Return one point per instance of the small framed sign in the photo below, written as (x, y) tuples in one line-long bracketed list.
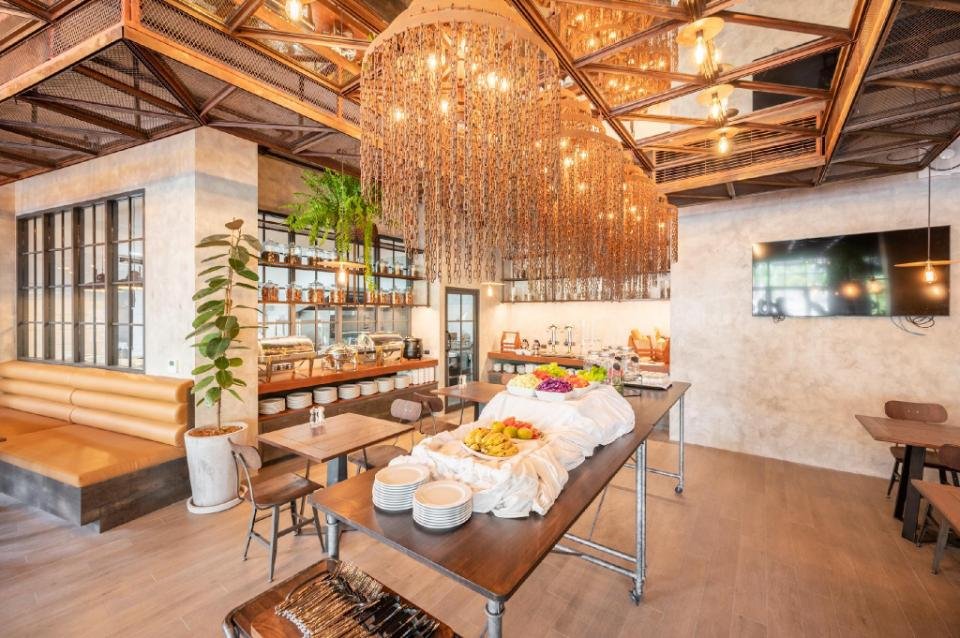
[(509, 341)]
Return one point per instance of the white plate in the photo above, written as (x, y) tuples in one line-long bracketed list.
[(522, 444), (401, 475), (441, 521), (520, 392), (442, 495)]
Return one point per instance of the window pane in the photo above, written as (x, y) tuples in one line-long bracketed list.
[(123, 304), (100, 223), (89, 300), (68, 304), (57, 230), (99, 265), (122, 336), (136, 300), (100, 307), (136, 350), (68, 343), (136, 260), (122, 231), (123, 261), (137, 214), (87, 237), (88, 267), (58, 341), (68, 228)]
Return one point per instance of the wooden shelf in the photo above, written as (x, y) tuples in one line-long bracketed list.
[(339, 305), (385, 275), (568, 361), (349, 405), (327, 377)]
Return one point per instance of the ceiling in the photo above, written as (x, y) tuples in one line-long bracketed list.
[(825, 90)]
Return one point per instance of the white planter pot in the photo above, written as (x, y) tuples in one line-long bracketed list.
[(213, 474)]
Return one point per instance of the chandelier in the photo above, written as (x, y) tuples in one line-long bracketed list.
[(459, 130), (569, 255), (585, 29)]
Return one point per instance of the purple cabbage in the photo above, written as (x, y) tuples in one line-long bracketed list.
[(555, 385)]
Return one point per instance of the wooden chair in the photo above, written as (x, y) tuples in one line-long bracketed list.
[(434, 406), (272, 495), (377, 456), (950, 458), (926, 412)]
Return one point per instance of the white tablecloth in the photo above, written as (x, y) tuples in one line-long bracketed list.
[(531, 480)]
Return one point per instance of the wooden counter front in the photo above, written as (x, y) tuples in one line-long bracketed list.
[(326, 377)]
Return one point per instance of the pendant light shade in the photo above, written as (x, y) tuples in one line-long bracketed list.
[(929, 265), (460, 111)]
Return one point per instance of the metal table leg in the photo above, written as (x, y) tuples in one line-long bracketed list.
[(678, 474), (908, 498), (336, 470), (640, 567), (494, 611), (333, 536)]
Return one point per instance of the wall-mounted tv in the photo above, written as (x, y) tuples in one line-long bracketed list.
[(851, 275)]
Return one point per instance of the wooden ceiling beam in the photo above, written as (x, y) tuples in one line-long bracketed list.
[(132, 91), (83, 115), (736, 149), (629, 41), (282, 25), (317, 128), (635, 71), (216, 99), (781, 24), (241, 14), (168, 78), (692, 150), (357, 14), (63, 7), (782, 183), (779, 59), (667, 119), (49, 139), (937, 87), (301, 38), (876, 165), (37, 11), (781, 89), (27, 160)]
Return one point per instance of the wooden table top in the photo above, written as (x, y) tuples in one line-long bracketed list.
[(490, 555), (916, 433), (476, 391), (340, 435), (945, 498)]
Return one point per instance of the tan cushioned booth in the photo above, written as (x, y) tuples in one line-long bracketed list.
[(144, 406), (79, 455), (17, 423)]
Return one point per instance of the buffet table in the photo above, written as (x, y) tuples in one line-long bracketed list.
[(461, 554)]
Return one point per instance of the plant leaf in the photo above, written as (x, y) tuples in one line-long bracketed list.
[(236, 362), (210, 305), (221, 363), (209, 243), (239, 382), (245, 285), (201, 369), (224, 378), (201, 384), (210, 270), (252, 241), (212, 257), (234, 393), (249, 274), (212, 396), (204, 317)]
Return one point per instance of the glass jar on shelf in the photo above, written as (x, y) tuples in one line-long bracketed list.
[(270, 253), (294, 255), (294, 293), (408, 297), (315, 293), (269, 292), (398, 298)]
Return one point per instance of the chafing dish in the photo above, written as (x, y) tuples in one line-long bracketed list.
[(385, 346), (283, 354), (340, 354)]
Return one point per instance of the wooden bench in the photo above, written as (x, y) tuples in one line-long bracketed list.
[(946, 500)]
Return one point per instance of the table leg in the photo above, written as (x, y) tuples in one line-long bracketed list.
[(679, 488), (306, 475), (336, 470), (640, 568), (477, 409), (908, 498), (494, 619), (333, 536)]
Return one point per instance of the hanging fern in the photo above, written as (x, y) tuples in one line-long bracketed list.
[(333, 201)]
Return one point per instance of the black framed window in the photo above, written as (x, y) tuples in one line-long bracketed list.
[(80, 279)]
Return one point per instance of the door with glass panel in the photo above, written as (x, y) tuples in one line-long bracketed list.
[(461, 341)]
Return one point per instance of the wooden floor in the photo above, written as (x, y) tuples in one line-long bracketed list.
[(754, 547)]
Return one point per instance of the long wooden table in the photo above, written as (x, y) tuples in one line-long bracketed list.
[(946, 500), (917, 437), (463, 554), (331, 443)]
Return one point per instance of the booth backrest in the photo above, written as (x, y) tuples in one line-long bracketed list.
[(145, 406)]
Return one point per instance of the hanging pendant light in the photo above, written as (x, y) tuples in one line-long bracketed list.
[(928, 265), (459, 129), (699, 35)]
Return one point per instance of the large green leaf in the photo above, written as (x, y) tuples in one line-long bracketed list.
[(236, 362), (245, 285), (206, 367), (224, 378), (221, 363), (209, 270), (249, 274), (239, 382), (212, 397), (236, 265), (235, 395), (203, 292), (209, 243), (213, 304), (204, 317), (213, 257), (200, 330), (252, 241), (202, 383)]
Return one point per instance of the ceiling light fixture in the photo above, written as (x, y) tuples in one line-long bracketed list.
[(700, 36), (717, 100), (723, 143), (929, 265), (473, 157), (293, 9)]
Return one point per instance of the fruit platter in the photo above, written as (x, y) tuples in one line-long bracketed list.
[(523, 385), (502, 439)]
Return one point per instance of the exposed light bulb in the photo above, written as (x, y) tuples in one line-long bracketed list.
[(716, 108), (492, 80), (342, 276), (432, 61), (293, 9), (929, 274), (716, 57), (700, 49), (723, 144), (489, 290), (444, 106)]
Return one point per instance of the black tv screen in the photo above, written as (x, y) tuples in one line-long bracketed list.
[(852, 275)]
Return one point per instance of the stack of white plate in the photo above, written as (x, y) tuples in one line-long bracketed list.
[(272, 406), (367, 388), (393, 486), (298, 400), (323, 396), (442, 505), (349, 391), (401, 381), (385, 384)]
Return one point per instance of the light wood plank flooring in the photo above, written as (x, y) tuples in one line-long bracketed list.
[(755, 547)]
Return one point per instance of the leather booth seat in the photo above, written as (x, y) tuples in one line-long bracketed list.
[(80, 428)]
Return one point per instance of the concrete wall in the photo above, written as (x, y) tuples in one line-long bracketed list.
[(8, 275), (790, 390), (193, 183)]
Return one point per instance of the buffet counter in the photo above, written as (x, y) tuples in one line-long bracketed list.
[(321, 376), (565, 360)]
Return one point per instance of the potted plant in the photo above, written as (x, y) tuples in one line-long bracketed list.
[(216, 328), (334, 201)]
